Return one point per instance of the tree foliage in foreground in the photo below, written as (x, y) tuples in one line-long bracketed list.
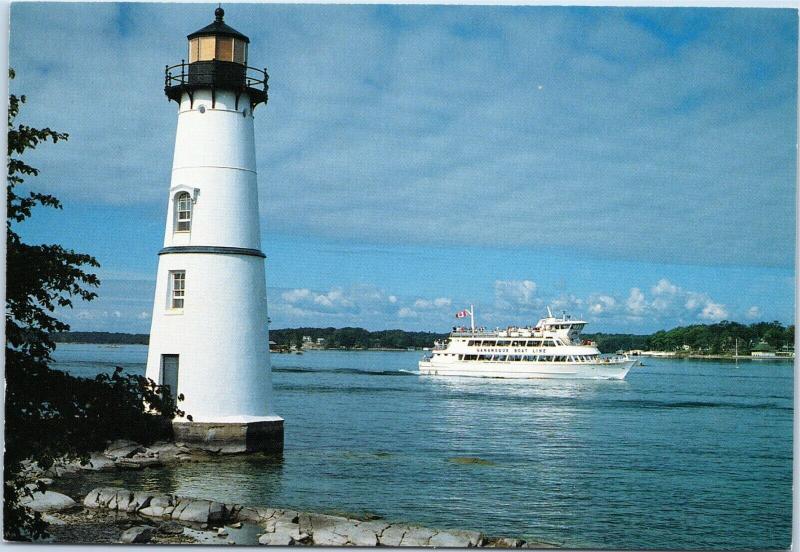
[(48, 413)]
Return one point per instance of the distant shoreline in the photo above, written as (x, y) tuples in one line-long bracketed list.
[(700, 341)]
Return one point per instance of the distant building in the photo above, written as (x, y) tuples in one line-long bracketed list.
[(763, 350)]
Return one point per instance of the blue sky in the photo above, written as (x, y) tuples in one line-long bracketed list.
[(635, 166)]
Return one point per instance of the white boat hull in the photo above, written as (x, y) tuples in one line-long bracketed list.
[(528, 370)]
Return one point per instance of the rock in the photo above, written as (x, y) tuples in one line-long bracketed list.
[(222, 532), (170, 528), (98, 462), (48, 501), (237, 525), (393, 535), (538, 545), (249, 514), (158, 506), (326, 537), (103, 497), (362, 536), (122, 449), (199, 511), (284, 534), (376, 527), (310, 522), (137, 462), (456, 539), (508, 543), (52, 520), (137, 535), (416, 536)]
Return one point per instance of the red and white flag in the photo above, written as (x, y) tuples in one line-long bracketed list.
[(462, 314)]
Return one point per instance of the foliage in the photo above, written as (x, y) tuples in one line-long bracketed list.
[(357, 338), (722, 338), (102, 338), (49, 414)]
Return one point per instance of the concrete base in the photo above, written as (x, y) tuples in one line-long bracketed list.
[(231, 437)]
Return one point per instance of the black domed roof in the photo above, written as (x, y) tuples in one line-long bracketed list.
[(218, 28)]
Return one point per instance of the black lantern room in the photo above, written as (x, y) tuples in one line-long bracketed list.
[(217, 60)]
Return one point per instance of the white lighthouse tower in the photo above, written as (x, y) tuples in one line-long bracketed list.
[(209, 337)]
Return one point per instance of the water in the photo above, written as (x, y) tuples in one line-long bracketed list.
[(683, 454)]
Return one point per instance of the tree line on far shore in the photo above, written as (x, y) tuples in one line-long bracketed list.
[(721, 338)]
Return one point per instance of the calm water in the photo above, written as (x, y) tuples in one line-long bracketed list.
[(683, 454)]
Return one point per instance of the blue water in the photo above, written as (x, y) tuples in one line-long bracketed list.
[(683, 454)]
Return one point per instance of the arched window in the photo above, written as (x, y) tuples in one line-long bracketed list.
[(183, 212)]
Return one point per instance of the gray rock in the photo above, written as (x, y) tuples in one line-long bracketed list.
[(249, 514), (98, 462), (52, 520), (170, 528), (222, 532), (138, 535), (416, 536), (284, 534), (393, 535), (199, 511), (138, 462), (538, 545), (360, 535), (508, 543), (125, 450), (309, 522), (48, 501), (376, 526), (326, 537), (456, 539)]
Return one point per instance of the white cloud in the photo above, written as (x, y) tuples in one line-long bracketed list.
[(599, 304), (516, 293), (664, 287), (713, 312), (636, 303), (405, 312), (753, 313)]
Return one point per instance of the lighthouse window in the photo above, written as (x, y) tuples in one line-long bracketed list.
[(177, 281), (194, 49), (183, 212), (225, 48), (207, 47), (240, 51)]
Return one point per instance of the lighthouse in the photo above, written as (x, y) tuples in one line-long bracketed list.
[(209, 338)]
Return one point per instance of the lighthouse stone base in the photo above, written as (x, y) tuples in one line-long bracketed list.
[(265, 435)]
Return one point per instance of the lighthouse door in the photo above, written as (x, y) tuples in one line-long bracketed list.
[(169, 374)]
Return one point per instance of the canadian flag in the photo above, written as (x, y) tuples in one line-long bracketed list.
[(462, 314)]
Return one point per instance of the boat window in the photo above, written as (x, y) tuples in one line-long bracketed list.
[(471, 343)]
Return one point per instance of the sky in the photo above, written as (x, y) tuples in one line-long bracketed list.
[(632, 166)]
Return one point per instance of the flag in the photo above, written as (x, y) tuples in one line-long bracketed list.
[(462, 314)]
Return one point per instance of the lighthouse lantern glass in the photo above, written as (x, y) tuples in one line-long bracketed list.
[(240, 51), (222, 48)]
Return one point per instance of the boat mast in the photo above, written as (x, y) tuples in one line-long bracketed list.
[(472, 317)]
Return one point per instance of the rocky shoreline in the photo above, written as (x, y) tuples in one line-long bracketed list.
[(116, 514)]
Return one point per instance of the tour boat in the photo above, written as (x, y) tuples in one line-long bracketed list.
[(551, 349)]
